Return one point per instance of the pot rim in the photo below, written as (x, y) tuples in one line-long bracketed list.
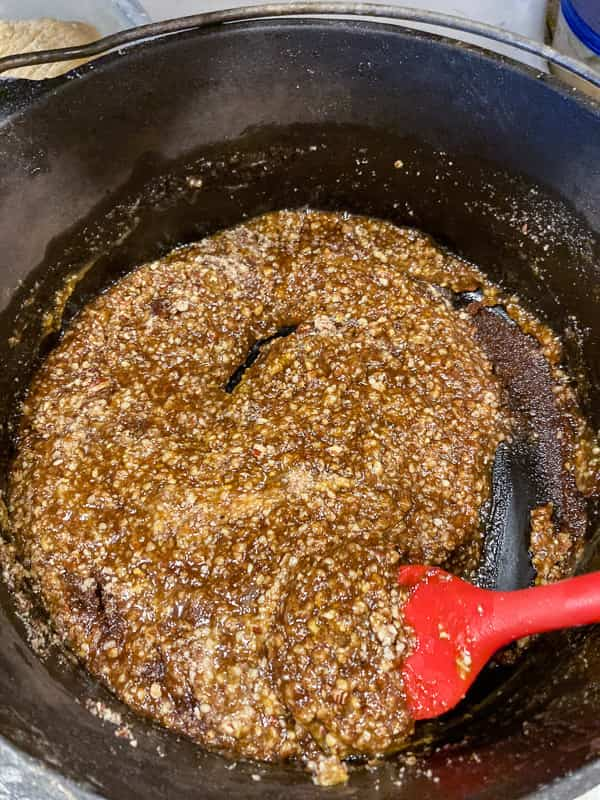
[(377, 12)]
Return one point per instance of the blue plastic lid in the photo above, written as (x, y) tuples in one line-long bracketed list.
[(583, 17)]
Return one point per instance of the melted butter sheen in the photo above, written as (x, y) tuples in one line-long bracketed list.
[(213, 556)]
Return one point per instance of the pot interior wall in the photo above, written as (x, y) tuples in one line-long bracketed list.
[(179, 137)]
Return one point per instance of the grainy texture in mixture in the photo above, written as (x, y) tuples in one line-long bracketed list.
[(336, 646), (217, 557)]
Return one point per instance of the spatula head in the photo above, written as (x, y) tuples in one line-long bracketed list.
[(448, 618)]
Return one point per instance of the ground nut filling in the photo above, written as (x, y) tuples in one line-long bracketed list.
[(214, 552), (337, 648)]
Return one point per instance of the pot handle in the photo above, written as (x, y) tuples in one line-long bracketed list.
[(291, 9)]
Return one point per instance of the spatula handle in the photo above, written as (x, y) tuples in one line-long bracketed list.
[(575, 601)]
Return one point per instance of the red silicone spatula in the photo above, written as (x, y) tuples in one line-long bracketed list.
[(458, 627)]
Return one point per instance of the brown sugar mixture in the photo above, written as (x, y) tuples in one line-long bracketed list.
[(335, 650), (219, 544)]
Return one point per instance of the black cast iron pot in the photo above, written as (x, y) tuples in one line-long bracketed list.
[(179, 135)]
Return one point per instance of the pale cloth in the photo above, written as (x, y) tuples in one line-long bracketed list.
[(43, 34)]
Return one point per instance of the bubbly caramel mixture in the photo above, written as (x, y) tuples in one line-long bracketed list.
[(222, 556)]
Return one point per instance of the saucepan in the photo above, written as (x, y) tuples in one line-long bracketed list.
[(194, 125)]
